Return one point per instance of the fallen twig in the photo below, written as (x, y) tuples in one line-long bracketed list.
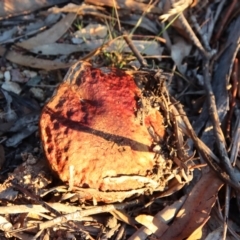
[(220, 141), (139, 57), (198, 144)]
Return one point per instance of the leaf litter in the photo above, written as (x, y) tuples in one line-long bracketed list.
[(193, 192)]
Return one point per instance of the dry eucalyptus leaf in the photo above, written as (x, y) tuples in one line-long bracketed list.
[(51, 35), (7, 193), (33, 62), (9, 8), (179, 51), (196, 208), (24, 121), (216, 234), (145, 23), (52, 18), (92, 31), (8, 34), (123, 216), (150, 48), (198, 232), (5, 225), (56, 49), (79, 9), (158, 223), (17, 138), (151, 223), (129, 5)]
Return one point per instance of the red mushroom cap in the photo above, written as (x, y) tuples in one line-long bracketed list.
[(91, 123)]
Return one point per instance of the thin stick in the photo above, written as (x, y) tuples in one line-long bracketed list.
[(193, 37), (233, 97), (220, 141), (198, 143), (139, 57), (36, 198), (224, 19)]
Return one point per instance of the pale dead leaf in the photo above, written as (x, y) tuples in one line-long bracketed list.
[(84, 9), (198, 233), (56, 49), (177, 7), (196, 208), (8, 193), (176, 23), (70, 7), (24, 121), (145, 23), (51, 19), (123, 216), (173, 187), (33, 62), (17, 138), (9, 8), (215, 235), (5, 225), (150, 48), (158, 223), (179, 51), (8, 34), (47, 22), (81, 10), (92, 31), (51, 35), (151, 223), (127, 4), (67, 196)]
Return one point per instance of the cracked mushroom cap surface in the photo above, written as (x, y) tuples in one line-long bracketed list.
[(92, 125)]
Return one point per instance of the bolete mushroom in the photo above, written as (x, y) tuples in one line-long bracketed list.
[(97, 124)]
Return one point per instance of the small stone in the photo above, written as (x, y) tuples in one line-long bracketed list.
[(29, 74), (157, 149), (36, 150), (37, 93), (26, 73), (32, 74), (31, 160), (12, 87), (7, 76)]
